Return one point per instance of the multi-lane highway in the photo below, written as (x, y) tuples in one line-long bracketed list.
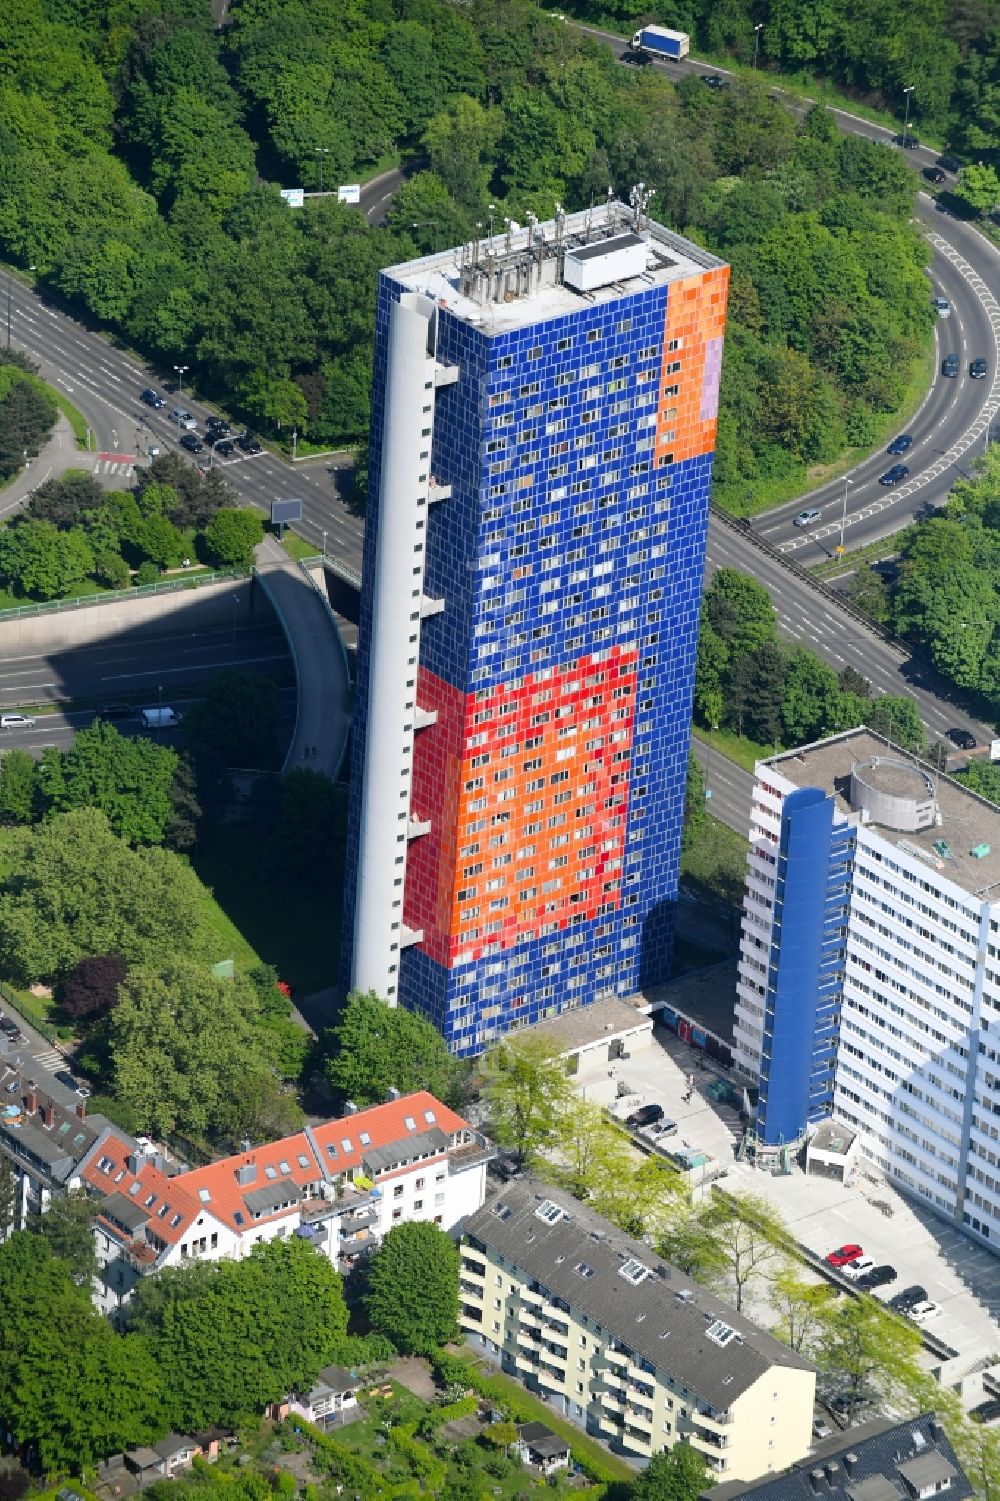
[(167, 666)]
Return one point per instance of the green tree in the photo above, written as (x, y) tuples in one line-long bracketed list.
[(978, 187), (740, 612), (676, 1474), (590, 1154), (801, 1307), (232, 535), (375, 1047), (811, 697), (695, 812), (981, 776), (412, 1291), (235, 723), (865, 1347), (187, 1049), (17, 787), (75, 889), (525, 1086), (689, 1243), (457, 141), (195, 1320), (37, 559), (68, 1229), (898, 719), (8, 1198), (309, 827), (130, 780)]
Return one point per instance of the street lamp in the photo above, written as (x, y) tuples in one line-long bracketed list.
[(321, 151), (906, 119), (324, 547), (843, 514), (756, 40), (180, 377)]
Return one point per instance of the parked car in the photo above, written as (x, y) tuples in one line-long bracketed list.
[(904, 1301), (986, 1412), (901, 444), (860, 1267), (807, 518), (964, 739), (949, 366), (943, 307), (248, 443), (662, 1129), (894, 475), (924, 1311), (879, 1276), (644, 1116), (151, 398), (16, 722), (192, 443), (978, 369), (821, 1428), (843, 1255), (934, 174)]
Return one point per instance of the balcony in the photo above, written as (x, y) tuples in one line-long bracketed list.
[(436, 491), (715, 1422), (352, 1239), (529, 1340), (530, 1318), (471, 1289), (474, 1268), (429, 606), (532, 1297), (619, 1359), (424, 718), (551, 1377), (409, 936), (417, 826), (636, 1439), (445, 375), (707, 1443)]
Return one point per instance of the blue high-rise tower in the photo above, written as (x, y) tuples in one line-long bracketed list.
[(544, 419)]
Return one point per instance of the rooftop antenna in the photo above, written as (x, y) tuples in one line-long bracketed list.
[(612, 211), (509, 224), (639, 199), (475, 253), (492, 212), (560, 221), (590, 219)]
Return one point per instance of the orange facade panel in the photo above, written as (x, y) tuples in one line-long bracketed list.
[(687, 413)]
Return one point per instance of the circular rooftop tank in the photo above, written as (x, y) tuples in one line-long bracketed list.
[(895, 794)]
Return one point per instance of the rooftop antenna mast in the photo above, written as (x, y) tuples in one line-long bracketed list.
[(639, 199), (612, 210)]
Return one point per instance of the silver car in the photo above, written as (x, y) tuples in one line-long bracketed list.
[(808, 518)]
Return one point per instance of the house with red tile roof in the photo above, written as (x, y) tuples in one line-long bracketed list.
[(342, 1185)]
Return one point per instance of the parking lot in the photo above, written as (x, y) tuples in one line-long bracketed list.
[(958, 1275)]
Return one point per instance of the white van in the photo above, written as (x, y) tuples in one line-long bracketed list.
[(158, 719)]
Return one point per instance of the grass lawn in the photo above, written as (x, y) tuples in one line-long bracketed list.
[(295, 929), (738, 748), (297, 547), (717, 861)]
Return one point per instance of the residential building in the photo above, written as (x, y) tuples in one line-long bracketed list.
[(342, 1185), (544, 419), (44, 1141), (623, 1344), (869, 985), (879, 1461)]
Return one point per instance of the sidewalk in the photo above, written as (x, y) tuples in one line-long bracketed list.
[(59, 453)]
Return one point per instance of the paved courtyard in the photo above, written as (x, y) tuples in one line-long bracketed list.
[(959, 1275)]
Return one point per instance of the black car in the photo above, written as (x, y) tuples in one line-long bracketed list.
[(908, 1298), (713, 81), (908, 142), (248, 443), (10, 1028), (964, 739), (151, 398), (901, 444), (115, 711), (224, 448), (934, 174), (218, 427), (986, 1412), (64, 1077), (636, 59), (879, 1276), (895, 475), (949, 163), (645, 1116), (949, 366), (978, 369), (192, 443)]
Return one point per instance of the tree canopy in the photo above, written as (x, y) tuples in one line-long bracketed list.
[(375, 1047), (412, 1291)]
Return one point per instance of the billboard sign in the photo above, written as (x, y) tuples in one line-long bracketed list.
[(294, 197), (349, 193), (284, 512)]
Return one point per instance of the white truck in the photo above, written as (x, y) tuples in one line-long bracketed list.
[(659, 41), (159, 719)]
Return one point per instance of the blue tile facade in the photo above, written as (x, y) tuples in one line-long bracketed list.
[(561, 540)]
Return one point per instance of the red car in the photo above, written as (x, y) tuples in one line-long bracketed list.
[(844, 1255)]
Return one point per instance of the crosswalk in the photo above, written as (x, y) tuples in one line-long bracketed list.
[(51, 1059), (114, 463)]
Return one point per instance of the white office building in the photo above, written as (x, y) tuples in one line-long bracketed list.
[(869, 977)]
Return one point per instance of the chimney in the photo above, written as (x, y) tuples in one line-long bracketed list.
[(31, 1097), (851, 1465), (393, 1093), (81, 1109), (246, 1173), (934, 1429), (48, 1114), (350, 1108), (134, 1162), (818, 1481), (832, 1469)]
